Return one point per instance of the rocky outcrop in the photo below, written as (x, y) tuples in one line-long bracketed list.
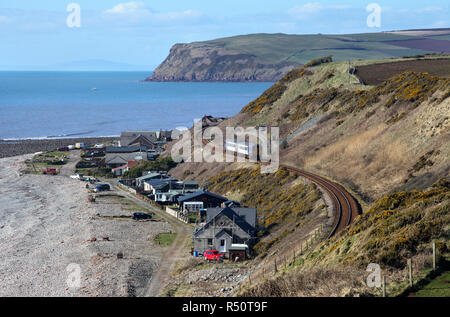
[(204, 62)]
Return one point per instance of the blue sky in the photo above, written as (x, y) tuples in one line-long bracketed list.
[(35, 34)]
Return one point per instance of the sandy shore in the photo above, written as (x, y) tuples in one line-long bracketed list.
[(46, 224), (10, 148)]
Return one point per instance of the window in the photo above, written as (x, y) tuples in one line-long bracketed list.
[(210, 241), (222, 243)]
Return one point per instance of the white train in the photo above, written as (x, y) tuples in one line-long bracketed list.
[(243, 148)]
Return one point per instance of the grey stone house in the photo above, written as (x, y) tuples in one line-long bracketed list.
[(226, 227)]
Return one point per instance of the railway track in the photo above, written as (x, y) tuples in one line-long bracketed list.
[(346, 207)]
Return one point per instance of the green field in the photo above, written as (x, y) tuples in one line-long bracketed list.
[(276, 48), (165, 239), (438, 287)]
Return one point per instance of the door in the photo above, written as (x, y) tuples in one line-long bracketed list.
[(223, 246)]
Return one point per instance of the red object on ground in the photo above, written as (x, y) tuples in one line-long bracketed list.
[(213, 255), (51, 171)]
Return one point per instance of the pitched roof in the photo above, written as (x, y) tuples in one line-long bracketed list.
[(143, 138), (238, 221), (125, 149), (199, 193)]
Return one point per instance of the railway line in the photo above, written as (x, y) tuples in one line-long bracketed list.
[(346, 207)]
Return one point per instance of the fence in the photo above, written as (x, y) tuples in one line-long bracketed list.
[(409, 277), (297, 251), (406, 284), (177, 214)]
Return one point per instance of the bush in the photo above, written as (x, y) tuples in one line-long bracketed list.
[(161, 164)]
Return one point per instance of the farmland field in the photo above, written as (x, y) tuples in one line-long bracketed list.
[(376, 73), (436, 45)]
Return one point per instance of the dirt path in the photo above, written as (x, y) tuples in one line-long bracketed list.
[(68, 168), (173, 254)]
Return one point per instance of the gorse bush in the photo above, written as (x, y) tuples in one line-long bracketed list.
[(396, 226), (408, 87)]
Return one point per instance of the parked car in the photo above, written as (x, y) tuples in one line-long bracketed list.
[(49, 171), (64, 148), (91, 179), (141, 215), (213, 255), (77, 176), (102, 188)]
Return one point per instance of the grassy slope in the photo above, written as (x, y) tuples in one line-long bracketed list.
[(275, 48), (370, 138), (397, 227)]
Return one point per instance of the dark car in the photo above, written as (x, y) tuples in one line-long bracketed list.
[(102, 188), (141, 215), (64, 148)]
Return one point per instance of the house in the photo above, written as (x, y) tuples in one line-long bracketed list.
[(130, 137), (168, 197), (113, 160), (160, 184), (224, 229), (142, 140), (150, 176), (190, 186), (199, 200), (247, 214), (119, 171)]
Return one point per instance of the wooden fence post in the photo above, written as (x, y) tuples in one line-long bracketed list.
[(434, 254), (410, 272), (276, 270), (384, 286)]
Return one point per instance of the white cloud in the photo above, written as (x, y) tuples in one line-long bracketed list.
[(312, 8), (308, 8), (430, 9), (128, 8), (138, 12)]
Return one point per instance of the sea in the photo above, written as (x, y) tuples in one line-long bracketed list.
[(62, 104)]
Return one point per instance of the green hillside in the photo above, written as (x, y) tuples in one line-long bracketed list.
[(276, 48)]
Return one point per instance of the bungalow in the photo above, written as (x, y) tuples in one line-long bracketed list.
[(147, 177), (113, 160), (199, 200), (128, 137), (142, 140), (224, 229), (170, 196), (160, 184), (119, 171)]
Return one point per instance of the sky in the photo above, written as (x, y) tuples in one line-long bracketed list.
[(35, 34)]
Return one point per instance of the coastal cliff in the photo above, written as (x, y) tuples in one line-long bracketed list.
[(268, 57), (204, 62)]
